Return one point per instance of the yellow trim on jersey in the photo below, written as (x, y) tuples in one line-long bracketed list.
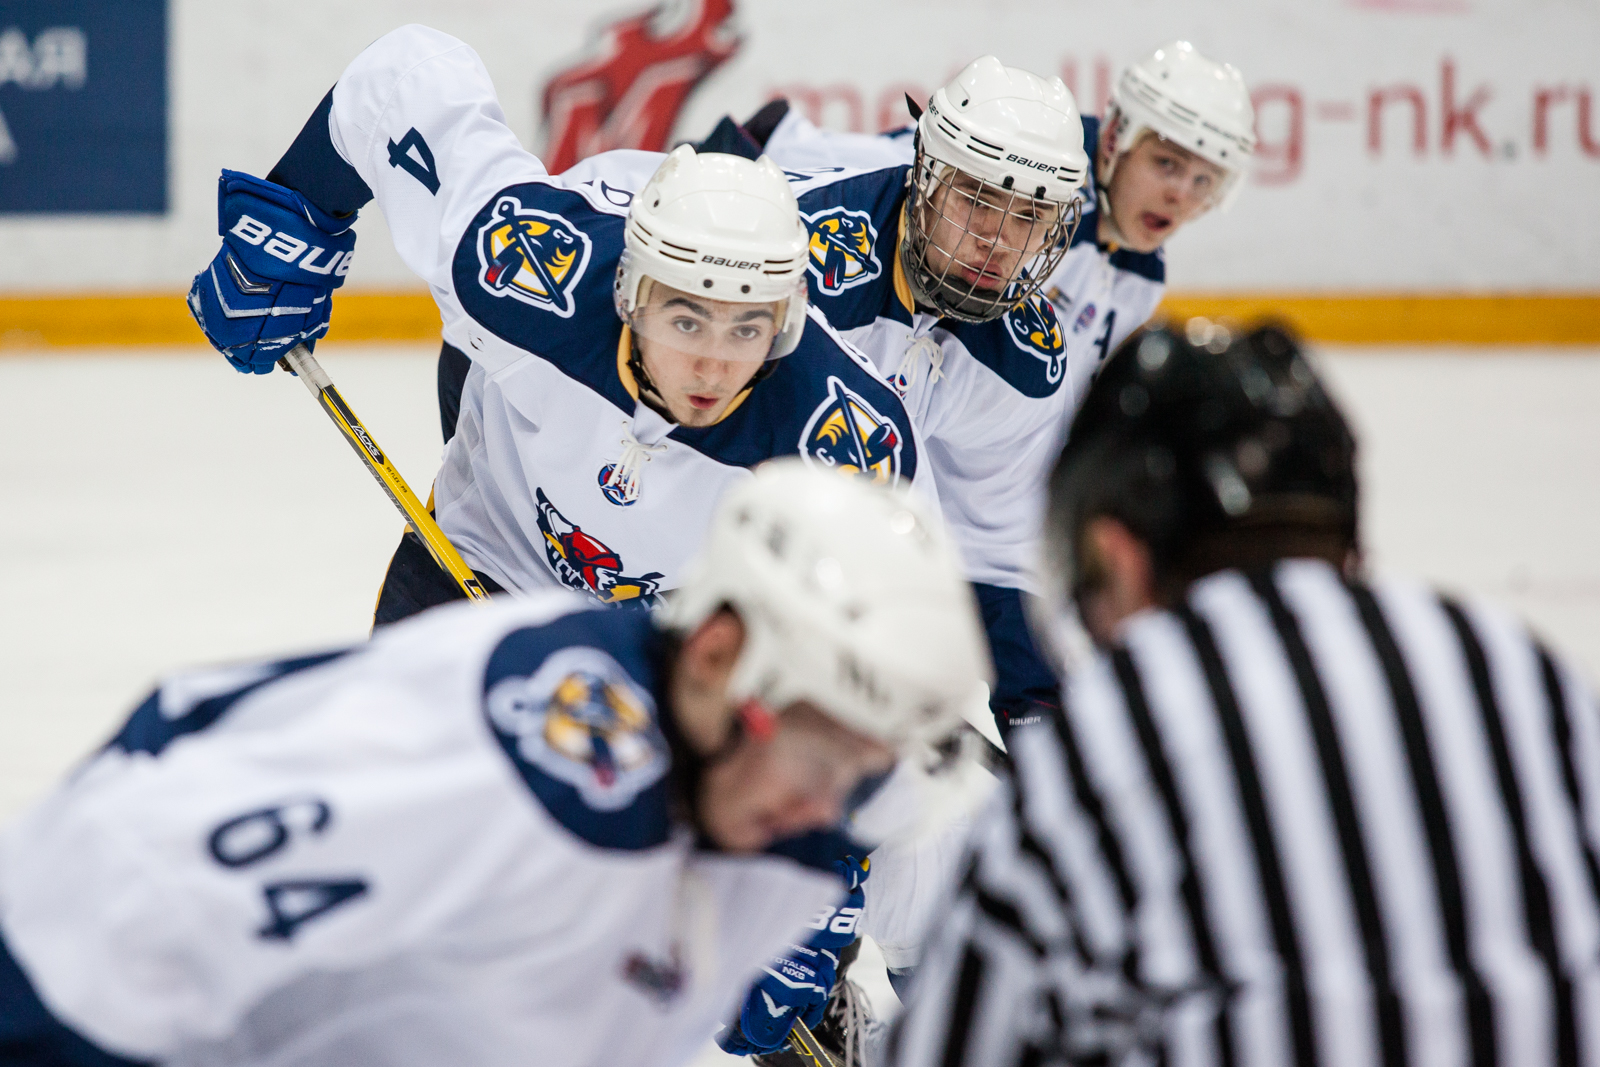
[(625, 372), (902, 288), (34, 323)]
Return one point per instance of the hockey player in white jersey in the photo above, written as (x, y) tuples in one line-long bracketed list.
[(640, 336), (933, 267), (533, 832), (1177, 141)]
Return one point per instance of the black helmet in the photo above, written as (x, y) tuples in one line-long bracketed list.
[(1191, 432)]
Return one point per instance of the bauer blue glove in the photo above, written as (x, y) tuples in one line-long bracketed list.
[(271, 285), (796, 985)]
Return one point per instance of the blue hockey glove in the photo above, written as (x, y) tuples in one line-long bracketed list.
[(271, 285), (836, 927), (795, 986)]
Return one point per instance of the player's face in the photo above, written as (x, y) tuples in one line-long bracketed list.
[(701, 353), (794, 781), (980, 235), (1156, 188)]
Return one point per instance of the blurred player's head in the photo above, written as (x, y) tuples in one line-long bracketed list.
[(824, 629), (1177, 141), (712, 281), (994, 191), (1195, 451)]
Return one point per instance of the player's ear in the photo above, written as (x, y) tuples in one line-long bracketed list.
[(710, 652)]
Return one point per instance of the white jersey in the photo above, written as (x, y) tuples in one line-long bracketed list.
[(522, 265), (993, 400), (452, 845)]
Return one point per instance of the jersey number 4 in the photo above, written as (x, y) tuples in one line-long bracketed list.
[(245, 840), (412, 155)]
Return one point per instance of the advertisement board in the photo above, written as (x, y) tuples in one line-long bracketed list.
[(83, 106)]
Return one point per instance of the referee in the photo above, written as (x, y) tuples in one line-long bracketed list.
[(1288, 817)]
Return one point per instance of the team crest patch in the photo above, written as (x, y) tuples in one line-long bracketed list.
[(1085, 318), (533, 256), (1035, 329), (846, 433), (585, 563), (581, 720), (842, 244)]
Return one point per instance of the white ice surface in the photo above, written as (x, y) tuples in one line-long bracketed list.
[(161, 510)]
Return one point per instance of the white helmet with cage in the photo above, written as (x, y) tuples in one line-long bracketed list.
[(1194, 102), (852, 599), (722, 227), (995, 190)]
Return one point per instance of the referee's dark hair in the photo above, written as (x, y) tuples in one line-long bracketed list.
[(1193, 451)]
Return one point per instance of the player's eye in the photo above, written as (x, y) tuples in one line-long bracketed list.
[(1202, 182), (686, 325), (747, 333)]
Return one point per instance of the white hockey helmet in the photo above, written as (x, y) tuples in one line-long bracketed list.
[(1194, 102), (1018, 140), (852, 599), (722, 226)]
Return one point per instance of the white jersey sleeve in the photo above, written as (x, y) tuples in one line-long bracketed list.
[(797, 143), (376, 857)]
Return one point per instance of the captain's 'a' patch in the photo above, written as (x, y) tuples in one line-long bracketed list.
[(581, 720)]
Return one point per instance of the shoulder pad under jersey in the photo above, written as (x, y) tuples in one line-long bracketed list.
[(572, 705), (854, 221), (1025, 346), (536, 268)]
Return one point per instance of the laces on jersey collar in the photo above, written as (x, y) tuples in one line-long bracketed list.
[(912, 361), (625, 476)]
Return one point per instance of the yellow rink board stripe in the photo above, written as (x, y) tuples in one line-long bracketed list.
[(1338, 318)]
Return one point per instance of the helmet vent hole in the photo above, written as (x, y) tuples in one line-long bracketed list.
[(708, 283), (744, 288)]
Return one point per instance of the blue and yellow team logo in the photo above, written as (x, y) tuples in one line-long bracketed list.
[(581, 720), (1036, 330), (847, 434), (532, 256), (842, 244)]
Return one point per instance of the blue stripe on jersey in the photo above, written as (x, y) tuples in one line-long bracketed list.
[(536, 269), (855, 229), (573, 706), (30, 1036), (155, 724), (578, 249), (855, 226)]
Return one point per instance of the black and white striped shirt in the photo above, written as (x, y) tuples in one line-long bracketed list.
[(1297, 822)]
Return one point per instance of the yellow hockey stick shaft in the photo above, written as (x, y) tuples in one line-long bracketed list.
[(806, 1043), (304, 364)]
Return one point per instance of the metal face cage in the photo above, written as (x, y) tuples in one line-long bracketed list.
[(976, 249)]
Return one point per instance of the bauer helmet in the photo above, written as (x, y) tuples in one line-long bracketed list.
[(723, 227), (1196, 103), (1193, 433), (994, 190), (852, 599)]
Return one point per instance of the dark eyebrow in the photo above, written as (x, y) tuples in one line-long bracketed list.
[(702, 310), (683, 301)]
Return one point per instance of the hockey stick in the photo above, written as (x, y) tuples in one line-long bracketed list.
[(301, 362), (806, 1043)]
